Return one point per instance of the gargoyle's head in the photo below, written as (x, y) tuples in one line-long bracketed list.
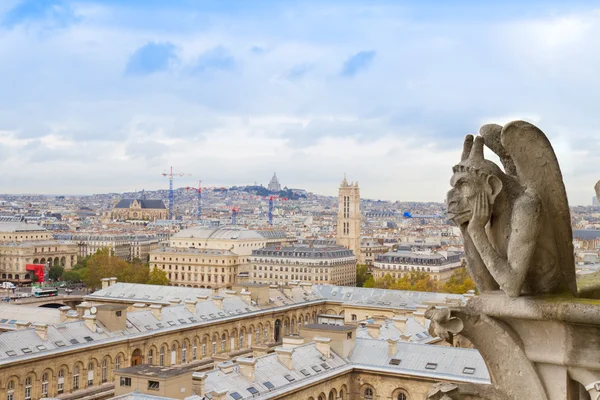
[(473, 175)]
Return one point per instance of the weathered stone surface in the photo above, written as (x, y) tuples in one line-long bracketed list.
[(515, 223)]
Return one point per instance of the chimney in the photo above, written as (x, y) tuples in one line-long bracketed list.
[(230, 293), (379, 319), (219, 394), (90, 322), (307, 286), (218, 300), (247, 367), (324, 346), (215, 291), (400, 323), (226, 367), (139, 307), (22, 325), (41, 330), (246, 297), (199, 383), (190, 305), (290, 342), (72, 316), (83, 307), (392, 347), (404, 338), (202, 297), (175, 301), (284, 356), (287, 291), (156, 310), (373, 330), (63, 313), (105, 283), (113, 280)]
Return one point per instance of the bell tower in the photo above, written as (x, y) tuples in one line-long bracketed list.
[(348, 220)]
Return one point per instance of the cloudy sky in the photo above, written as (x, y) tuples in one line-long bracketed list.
[(99, 96)]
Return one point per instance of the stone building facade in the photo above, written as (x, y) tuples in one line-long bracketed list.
[(398, 264), (123, 245), (139, 209), (197, 267), (348, 220), (276, 265), (22, 244)]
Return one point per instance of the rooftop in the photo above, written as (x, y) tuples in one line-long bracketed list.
[(153, 371), (218, 233)]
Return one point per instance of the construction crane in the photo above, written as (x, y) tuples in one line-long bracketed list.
[(170, 175), (234, 212), (199, 190), (272, 206)]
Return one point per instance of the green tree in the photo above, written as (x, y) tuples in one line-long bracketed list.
[(55, 272), (34, 278), (71, 276), (157, 277), (369, 283), (460, 282), (362, 274)]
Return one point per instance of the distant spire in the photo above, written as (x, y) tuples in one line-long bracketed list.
[(345, 181)]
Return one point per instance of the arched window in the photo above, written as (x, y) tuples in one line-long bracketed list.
[(223, 342), (161, 357), (28, 388), (61, 381), (257, 336), (173, 354), (368, 394), (241, 340), (331, 396), (11, 390), (204, 348), (118, 362), (214, 345), (195, 350), (104, 370), (90, 374), (45, 384), (266, 336), (150, 356), (402, 396), (183, 353), (76, 378)]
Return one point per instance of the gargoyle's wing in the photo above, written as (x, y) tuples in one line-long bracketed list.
[(537, 168)]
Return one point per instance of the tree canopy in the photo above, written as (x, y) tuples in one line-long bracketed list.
[(460, 282)]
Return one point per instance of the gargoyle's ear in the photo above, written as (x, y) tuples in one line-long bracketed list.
[(495, 186)]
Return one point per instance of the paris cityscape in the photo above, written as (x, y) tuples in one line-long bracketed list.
[(299, 200)]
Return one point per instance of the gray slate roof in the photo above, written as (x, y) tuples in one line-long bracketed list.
[(148, 204)]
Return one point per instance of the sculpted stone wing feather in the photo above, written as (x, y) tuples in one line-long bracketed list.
[(537, 169)]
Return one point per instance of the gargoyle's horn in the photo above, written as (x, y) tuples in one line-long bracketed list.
[(467, 147), (477, 150)]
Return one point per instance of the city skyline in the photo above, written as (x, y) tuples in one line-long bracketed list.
[(105, 95)]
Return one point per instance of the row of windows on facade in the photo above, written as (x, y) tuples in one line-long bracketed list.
[(196, 260), (367, 394), (163, 266), (307, 263), (293, 269), (399, 275), (293, 277), (408, 260), (11, 237), (175, 276), (403, 268), (238, 245)]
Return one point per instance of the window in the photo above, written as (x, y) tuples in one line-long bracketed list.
[(161, 357), (402, 396), (153, 385), (214, 347), (118, 313), (11, 390), (223, 342), (195, 350), (28, 388), (61, 381), (203, 349), (125, 381), (241, 340), (104, 370), (90, 374), (468, 370), (75, 378), (118, 362), (354, 318), (150, 356), (368, 395), (45, 385), (183, 353), (431, 366)]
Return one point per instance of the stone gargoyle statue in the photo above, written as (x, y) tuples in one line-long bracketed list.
[(597, 189), (515, 222)]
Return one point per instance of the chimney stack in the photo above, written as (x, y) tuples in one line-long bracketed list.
[(72, 316), (139, 307), (63, 313), (373, 330), (392, 347), (113, 280), (219, 394), (83, 307), (190, 305), (218, 300), (156, 310), (324, 346), (287, 291), (22, 325), (246, 297), (247, 367), (175, 301), (105, 283), (290, 342), (400, 323), (90, 322), (284, 356), (199, 383), (41, 330), (226, 367)]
